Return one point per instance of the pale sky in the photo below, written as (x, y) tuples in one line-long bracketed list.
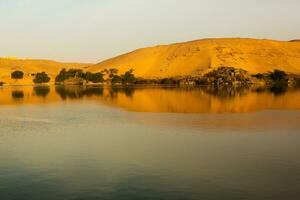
[(93, 30)]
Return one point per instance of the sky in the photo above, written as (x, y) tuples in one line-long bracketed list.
[(95, 30)]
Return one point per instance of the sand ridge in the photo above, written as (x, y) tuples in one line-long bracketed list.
[(192, 58), (197, 57), (31, 66)]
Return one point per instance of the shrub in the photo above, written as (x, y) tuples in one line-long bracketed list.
[(112, 72), (17, 74), (71, 73), (168, 81), (94, 77), (61, 76), (116, 79), (258, 76), (41, 78), (128, 77), (278, 75)]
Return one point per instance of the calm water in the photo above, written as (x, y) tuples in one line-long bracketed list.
[(85, 143)]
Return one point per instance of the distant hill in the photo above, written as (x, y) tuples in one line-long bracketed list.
[(181, 59), (30, 66), (198, 57)]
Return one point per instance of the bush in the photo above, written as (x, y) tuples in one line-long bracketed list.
[(71, 73), (169, 81), (128, 77), (61, 76), (258, 76), (94, 77), (116, 79), (41, 78), (17, 75), (278, 75), (112, 72)]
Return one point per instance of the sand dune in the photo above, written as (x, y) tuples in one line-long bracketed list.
[(198, 57), (29, 66), (190, 58)]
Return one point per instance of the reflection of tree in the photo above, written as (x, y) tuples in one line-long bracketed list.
[(97, 91), (17, 94), (226, 92), (41, 91), (77, 92), (128, 91), (279, 88)]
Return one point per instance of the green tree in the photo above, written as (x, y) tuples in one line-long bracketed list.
[(113, 76), (128, 77), (280, 81), (94, 77), (41, 78), (258, 76), (116, 79), (112, 72), (71, 73), (61, 76), (17, 75), (278, 75)]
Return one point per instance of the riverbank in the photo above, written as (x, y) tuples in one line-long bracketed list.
[(222, 77)]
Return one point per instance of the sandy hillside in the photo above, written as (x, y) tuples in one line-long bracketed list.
[(197, 57), (28, 66)]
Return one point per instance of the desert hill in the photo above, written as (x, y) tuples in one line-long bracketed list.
[(197, 57), (30, 66), (181, 59)]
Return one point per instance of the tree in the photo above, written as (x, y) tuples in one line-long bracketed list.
[(116, 79), (71, 73), (61, 76), (41, 78), (113, 76), (128, 77), (112, 72), (278, 75), (94, 77), (280, 81), (17, 75), (258, 76)]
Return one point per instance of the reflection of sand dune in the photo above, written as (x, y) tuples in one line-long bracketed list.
[(198, 101), (174, 100)]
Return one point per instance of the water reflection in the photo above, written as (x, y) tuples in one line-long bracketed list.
[(17, 94), (41, 91), (278, 88), (157, 99), (226, 92), (71, 92)]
